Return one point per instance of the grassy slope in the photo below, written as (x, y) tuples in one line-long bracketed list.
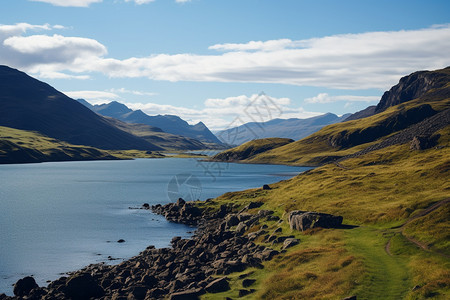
[(318, 147), (21, 146), (378, 192), (251, 149)]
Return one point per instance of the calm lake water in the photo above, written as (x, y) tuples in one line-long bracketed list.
[(59, 217)]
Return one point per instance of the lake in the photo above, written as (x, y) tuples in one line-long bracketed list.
[(59, 217)]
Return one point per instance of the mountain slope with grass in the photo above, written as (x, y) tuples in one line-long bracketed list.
[(395, 113), (388, 176), (29, 104)]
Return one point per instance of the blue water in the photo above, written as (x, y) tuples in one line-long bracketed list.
[(58, 217)]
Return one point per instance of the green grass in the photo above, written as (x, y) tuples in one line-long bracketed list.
[(379, 192)]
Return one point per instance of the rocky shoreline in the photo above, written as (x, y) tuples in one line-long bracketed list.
[(191, 267)]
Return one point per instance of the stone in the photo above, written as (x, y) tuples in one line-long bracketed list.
[(290, 242), (187, 295), (241, 228), (231, 220), (137, 292), (350, 298), (24, 286), (83, 286), (255, 204), (121, 241), (180, 202), (266, 187), (218, 285), (243, 292), (303, 220), (248, 282), (146, 206)]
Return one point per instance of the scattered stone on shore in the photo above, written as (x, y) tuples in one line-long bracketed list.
[(190, 268), (121, 241)]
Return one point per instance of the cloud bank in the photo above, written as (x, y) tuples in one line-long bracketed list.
[(69, 3), (349, 61)]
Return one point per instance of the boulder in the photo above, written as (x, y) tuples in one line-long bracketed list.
[(303, 220), (24, 286), (187, 295), (241, 228), (180, 202), (218, 285), (83, 286), (243, 292), (266, 187), (248, 282), (231, 220), (290, 242)]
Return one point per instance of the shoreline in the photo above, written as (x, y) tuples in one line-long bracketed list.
[(227, 240), (188, 269)]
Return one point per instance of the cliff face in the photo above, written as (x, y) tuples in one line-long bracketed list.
[(411, 87)]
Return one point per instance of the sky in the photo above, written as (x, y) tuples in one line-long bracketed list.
[(223, 62)]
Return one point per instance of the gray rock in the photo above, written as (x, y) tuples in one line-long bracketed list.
[(290, 242), (187, 295), (24, 286), (83, 286), (218, 285), (303, 220), (241, 228)]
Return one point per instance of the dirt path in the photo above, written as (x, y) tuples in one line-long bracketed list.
[(419, 244)]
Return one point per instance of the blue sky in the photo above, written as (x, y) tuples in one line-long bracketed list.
[(207, 60)]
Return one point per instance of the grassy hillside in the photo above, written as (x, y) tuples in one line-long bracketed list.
[(252, 148), (341, 139), (21, 146), (396, 200)]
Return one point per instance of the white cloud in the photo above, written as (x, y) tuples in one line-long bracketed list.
[(325, 98), (93, 97), (270, 45), (348, 61), (137, 93), (67, 3), (58, 75), (139, 2), (182, 1)]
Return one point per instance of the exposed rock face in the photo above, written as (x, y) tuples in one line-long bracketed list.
[(391, 124), (303, 220), (411, 87), (422, 142)]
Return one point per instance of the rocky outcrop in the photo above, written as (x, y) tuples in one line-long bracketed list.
[(412, 87), (188, 269), (303, 220)]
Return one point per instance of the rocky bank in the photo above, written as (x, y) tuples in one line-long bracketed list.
[(191, 267)]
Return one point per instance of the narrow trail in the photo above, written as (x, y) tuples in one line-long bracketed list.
[(419, 244)]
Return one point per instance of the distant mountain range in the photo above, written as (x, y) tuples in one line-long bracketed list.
[(29, 104), (282, 128), (168, 123)]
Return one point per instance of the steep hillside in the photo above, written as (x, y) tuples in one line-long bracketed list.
[(395, 244), (284, 128), (20, 146), (342, 139), (168, 123), (29, 104), (250, 149)]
